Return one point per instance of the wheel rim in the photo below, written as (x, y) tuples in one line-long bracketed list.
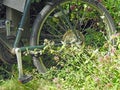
[(75, 16)]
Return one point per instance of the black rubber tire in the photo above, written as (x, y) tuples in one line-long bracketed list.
[(5, 56), (43, 16)]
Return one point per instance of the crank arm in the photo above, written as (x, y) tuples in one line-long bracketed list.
[(22, 78)]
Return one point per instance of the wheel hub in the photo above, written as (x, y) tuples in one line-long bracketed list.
[(73, 38)]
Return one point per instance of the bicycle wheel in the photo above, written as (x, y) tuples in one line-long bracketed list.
[(73, 22)]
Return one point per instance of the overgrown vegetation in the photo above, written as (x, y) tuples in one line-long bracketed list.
[(74, 68), (80, 69), (113, 7)]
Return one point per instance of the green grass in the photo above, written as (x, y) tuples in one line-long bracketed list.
[(80, 69), (113, 6), (76, 69)]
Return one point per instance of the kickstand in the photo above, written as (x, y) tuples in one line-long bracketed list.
[(22, 78)]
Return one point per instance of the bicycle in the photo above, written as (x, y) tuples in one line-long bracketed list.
[(61, 21)]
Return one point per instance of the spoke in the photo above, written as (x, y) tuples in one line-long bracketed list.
[(77, 16), (90, 27), (61, 27), (65, 26), (83, 16), (52, 31), (66, 18), (51, 36), (80, 17)]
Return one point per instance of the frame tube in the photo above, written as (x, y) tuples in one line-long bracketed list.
[(22, 22)]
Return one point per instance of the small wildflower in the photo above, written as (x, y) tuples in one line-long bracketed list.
[(56, 58), (115, 36), (73, 7), (101, 59), (62, 64), (52, 51), (89, 9), (108, 85), (106, 57), (67, 70), (54, 68), (119, 23), (55, 80), (45, 41), (102, 17), (118, 56), (106, 45), (113, 50), (97, 80), (59, 86)]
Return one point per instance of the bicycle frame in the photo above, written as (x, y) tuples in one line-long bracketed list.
[(15, 50), (20, 29)]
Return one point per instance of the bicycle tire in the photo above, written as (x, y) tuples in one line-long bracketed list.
[(95, 12), (5, 56)]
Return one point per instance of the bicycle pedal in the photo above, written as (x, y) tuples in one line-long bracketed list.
[(26, 78)]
